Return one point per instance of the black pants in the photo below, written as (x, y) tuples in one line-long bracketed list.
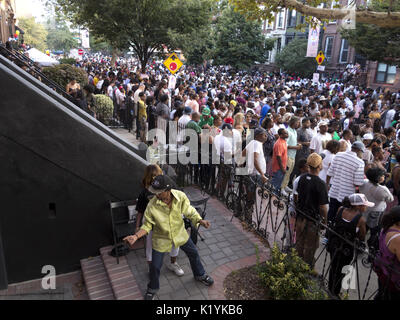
[(334, 206), (338, 261)]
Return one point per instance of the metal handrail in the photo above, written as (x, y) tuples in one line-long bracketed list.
[(32, 67)]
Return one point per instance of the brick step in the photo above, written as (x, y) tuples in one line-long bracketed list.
[(97, 283), (122, 280)]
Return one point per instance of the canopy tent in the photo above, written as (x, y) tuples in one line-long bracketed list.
[(42, 59)]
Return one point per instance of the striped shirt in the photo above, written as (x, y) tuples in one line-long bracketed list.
[(346, 172)]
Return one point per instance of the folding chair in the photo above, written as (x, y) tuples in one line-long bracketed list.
[(122, 223), (200, 206)]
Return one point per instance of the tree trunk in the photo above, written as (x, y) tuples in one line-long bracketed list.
[(114, 57)]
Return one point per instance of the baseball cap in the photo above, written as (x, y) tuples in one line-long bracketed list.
[(322, 123), (161, 183), (359, 199), (187, 110), (229, 120), (358, 145), (206, 111), (314, 160), (368, 136)]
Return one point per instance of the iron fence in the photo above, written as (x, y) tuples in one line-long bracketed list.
[(273, 217)]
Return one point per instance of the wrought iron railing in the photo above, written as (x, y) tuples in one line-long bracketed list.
[(24, 61), (273, 217)]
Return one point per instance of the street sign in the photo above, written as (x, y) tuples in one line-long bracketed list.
[(80, 52), (173, 63), (321, 68), (315, 77), (320, 57)]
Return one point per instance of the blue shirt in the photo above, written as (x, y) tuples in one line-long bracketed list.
[(265, 109)]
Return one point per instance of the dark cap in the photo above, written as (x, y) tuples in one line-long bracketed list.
[(161, 183)]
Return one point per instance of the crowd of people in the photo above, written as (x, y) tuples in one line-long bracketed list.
[(330, 146)]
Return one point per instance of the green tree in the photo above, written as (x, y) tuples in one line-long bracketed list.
[(61, 38), (196, 46), (292, 59), (373, 42), (99, 45), (144, 25), (265, 9), (35, 33), (238, 43)]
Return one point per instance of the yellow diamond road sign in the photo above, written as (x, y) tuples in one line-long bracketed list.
[(173, 63), (320, 57)]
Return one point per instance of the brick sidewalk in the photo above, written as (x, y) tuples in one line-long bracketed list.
[(227, 247)]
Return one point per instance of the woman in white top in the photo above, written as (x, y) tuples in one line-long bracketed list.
[(332, 148), (378, 194)]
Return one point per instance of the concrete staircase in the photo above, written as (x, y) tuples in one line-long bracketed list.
[(107, 280)]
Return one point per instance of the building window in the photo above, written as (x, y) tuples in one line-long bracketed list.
[(328, 48), (344, 51), (288, 39), (280, 19), (292, 18), (385, 73), (334, 5)]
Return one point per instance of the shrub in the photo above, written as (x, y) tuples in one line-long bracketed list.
[(64, 73), (70, 61), (103, 107), (288, 277)]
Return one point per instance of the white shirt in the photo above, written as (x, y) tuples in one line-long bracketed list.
[(326, 163), (255, 146), (182, 122), (319, 142), (389, 117), (276, 127)]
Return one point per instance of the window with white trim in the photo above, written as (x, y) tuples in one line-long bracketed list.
[(328, 48), (344, 51), (385, 73)]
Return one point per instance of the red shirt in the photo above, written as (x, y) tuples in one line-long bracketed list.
[(280, 149)]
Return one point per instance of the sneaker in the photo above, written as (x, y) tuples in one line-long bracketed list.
[(206, 279), (175, 268), (284, 193), (149, 296), (288, 190)]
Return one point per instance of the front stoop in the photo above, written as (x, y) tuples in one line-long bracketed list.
[(122, 280)]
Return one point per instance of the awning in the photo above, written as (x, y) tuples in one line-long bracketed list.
[(20, 30)]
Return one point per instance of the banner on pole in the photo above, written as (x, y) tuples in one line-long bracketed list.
[(313, 41)]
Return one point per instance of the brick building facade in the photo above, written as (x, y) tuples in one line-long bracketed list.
[(7, 19)]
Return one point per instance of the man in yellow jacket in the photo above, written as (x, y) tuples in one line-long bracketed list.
[(163, 215)]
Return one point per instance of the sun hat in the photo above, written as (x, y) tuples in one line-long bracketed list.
[(359, 199)]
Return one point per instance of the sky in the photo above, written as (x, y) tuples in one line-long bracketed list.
[(31, 7)]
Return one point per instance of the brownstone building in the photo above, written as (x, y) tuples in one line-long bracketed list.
[(7, 19), (339, 54)]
